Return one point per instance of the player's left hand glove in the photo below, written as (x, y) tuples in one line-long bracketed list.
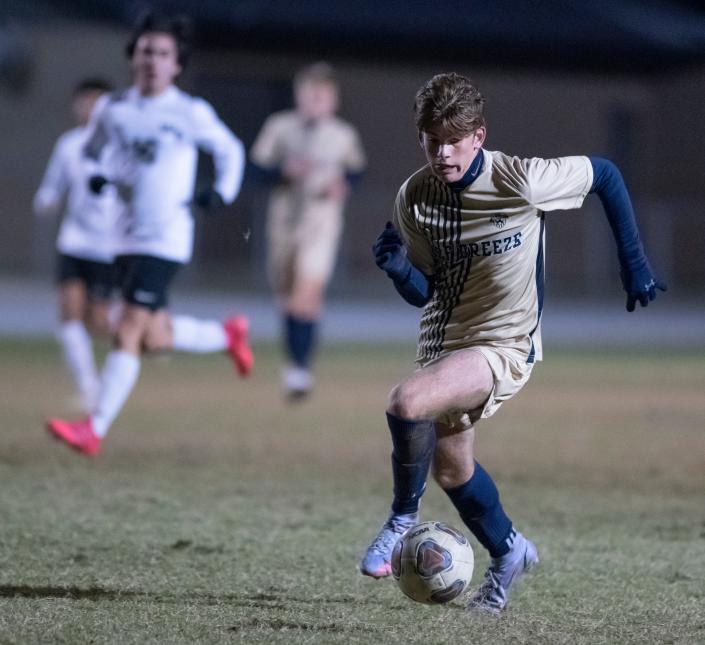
[(208, 199), (390, 254), (640, 285)]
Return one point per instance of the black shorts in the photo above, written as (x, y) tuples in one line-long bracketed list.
[(100, 278), (145, 280)]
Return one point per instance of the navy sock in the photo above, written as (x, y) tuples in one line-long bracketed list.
[(300, 340), (413, 443), (477, 501)]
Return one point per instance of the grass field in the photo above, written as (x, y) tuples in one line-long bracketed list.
[(219, 514)]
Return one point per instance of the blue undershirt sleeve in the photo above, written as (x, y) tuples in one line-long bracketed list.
[(416, 288), (638, 278), (610, 188), (390, 256)]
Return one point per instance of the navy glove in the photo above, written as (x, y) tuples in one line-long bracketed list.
[(96, 183), (640, 285), (390, 254), (208, 199)]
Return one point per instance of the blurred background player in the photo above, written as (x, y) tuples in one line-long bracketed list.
[(85, 271), (146, 139), (312, 156), (467, 245)]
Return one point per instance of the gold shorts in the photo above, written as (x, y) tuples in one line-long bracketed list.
[(303, 244), (510, 371)]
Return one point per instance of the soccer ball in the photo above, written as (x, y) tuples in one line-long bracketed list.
[(432, 563)]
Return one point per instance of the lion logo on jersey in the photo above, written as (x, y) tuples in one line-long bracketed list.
[(498, 220)]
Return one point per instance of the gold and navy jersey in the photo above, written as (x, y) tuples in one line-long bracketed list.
[(331, 146), (484, 247)]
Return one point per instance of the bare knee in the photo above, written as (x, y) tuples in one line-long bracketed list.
[(155, 341), (306, 299), (128, 337), (407, 402), (72, 300), (132, 330), (155, 344), (97, 320)]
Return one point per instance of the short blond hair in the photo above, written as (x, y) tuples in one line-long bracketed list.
[(320, 72), (452, 101)]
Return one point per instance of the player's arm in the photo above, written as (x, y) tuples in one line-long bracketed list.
[(97, 145), (355, 160), (228, 153), (391, 256), (55, 183), (402, 251), (272, 162), (638, 278), (267, 153)]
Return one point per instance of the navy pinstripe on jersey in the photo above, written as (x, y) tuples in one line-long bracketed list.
[(483, 245), (540, 281), (441, 219)]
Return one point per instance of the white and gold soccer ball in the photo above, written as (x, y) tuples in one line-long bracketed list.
[(432, 563)]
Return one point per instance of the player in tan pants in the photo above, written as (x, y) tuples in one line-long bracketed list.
[(311, 155)]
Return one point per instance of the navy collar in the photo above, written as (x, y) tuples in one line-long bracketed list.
[(471, 174)]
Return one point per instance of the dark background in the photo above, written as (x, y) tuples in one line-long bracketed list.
[(624, 80)]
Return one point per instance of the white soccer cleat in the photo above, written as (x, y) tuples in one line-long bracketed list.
[(377, 561), (297, 382), (492, 596)]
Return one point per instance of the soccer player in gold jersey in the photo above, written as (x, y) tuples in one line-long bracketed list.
[(467, 244), (311, 156)]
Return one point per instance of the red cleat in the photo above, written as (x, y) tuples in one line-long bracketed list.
[(77, 434), (236, 328)]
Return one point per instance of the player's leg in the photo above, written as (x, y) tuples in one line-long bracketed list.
[(73, 336), (145, 281), (462, 380), (143, 326), (471, 489), (458, 381), (117, 380), (476, 497), (158, 336), (314, 259), (122, 367), (297, 335), (101, 282), (98, 318), (412, 450), (302, 314), (201, 336)]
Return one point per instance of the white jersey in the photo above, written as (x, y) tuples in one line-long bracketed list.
[(483, 245), (87, 229), (149, 147)]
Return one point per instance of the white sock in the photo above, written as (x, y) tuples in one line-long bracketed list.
[(78, 355), (116, 382), (199, 336)]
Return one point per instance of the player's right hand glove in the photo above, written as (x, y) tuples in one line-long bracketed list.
[(640, 283), (390, 254), (96, 183)]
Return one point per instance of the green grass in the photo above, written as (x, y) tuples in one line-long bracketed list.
[(217, 513)]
